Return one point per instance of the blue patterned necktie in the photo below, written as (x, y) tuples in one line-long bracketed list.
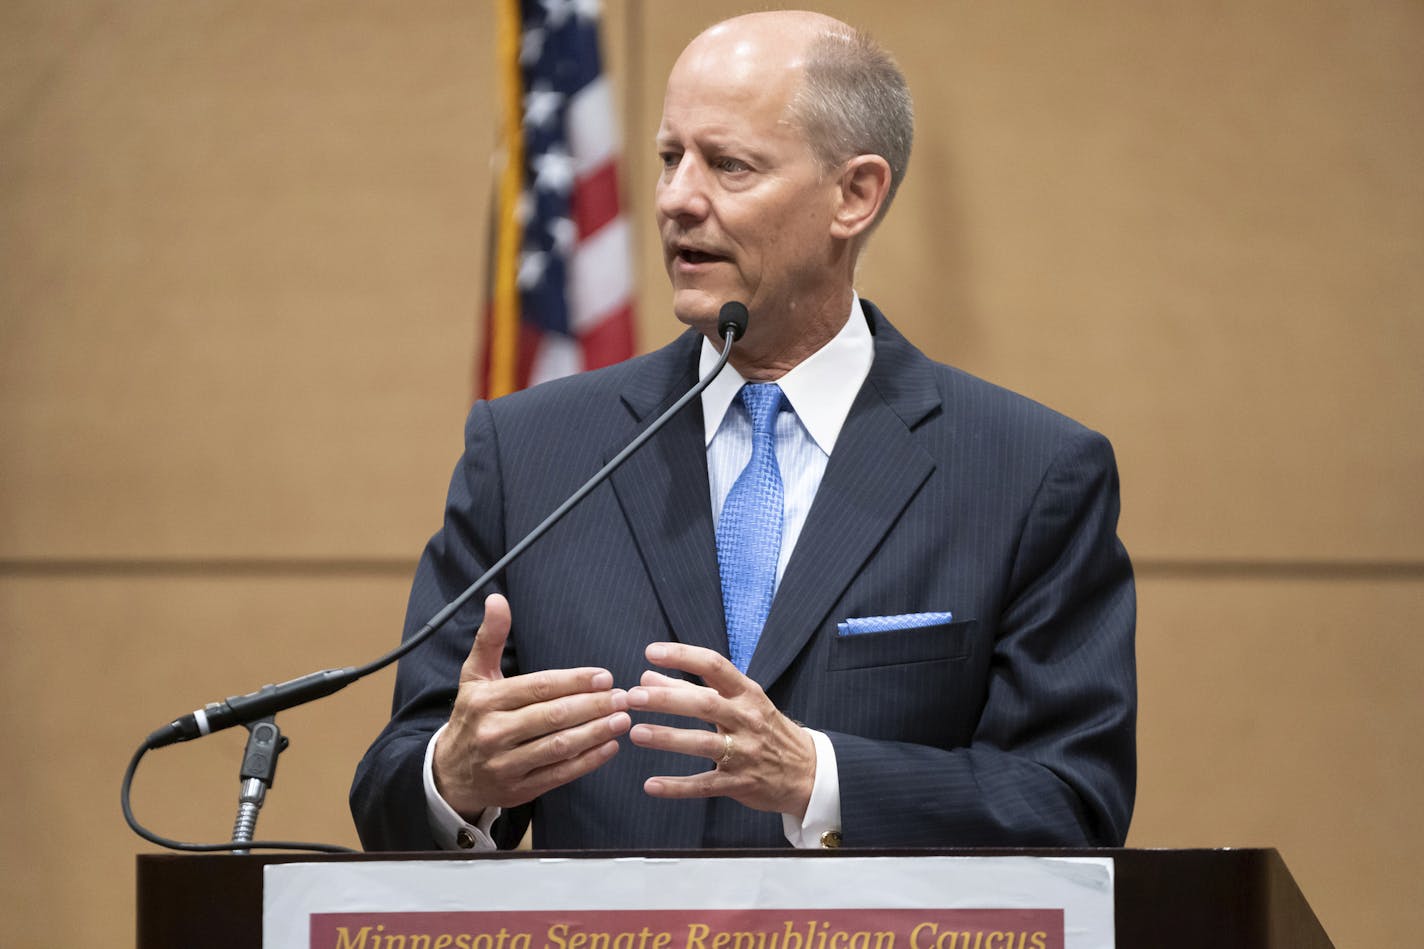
[(749, 530)]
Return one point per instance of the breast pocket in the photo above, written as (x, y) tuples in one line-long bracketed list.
[(948, 641), (920, 685)]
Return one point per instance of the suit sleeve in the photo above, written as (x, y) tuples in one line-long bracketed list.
[(387, 796), (1052, 761)]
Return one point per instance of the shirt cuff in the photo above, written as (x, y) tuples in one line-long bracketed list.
[(822, 823), (451, 831)]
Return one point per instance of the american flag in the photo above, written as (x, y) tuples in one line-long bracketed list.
[(562, 285)]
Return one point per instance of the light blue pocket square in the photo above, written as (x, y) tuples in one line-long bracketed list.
[(854, 626)]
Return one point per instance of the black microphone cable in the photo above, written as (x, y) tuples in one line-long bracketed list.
[(243, 709)]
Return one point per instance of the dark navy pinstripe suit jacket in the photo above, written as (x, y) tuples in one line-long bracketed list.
[(1012, 725)]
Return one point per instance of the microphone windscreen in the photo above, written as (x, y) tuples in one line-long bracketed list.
[(732, 320)]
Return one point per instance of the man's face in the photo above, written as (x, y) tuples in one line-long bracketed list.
[(743, 207)]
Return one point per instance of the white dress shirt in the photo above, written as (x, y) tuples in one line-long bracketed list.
[(819, 391)]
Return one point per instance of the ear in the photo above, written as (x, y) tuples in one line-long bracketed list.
[(864, 185)]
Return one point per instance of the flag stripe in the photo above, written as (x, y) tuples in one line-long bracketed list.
[(593, 138), (610, 340), (601, 283), (596, 199), (557, 356)]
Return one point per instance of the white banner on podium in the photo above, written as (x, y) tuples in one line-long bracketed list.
[(693, 903)]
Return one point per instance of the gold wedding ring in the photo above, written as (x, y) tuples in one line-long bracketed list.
[(727, 749)]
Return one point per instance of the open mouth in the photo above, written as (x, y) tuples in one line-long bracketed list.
[(689, 256)]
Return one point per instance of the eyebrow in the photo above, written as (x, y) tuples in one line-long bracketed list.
[(717, 136), (716, 143)]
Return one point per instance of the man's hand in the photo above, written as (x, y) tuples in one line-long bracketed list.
[(510, 740), (762, 758)]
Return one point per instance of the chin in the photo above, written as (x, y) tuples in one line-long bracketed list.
[(696, 309)]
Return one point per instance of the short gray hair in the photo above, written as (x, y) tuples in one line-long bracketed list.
[(854, 101)]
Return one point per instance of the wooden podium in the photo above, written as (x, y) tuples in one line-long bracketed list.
[(1165, 899)]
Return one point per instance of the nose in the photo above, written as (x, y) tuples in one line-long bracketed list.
[(682, 190)]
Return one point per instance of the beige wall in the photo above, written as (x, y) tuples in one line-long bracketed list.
[(241, 253)]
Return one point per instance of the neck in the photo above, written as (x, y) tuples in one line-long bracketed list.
[(776, 343)]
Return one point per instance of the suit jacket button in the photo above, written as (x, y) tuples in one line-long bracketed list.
[(465, 840), (831, 840)]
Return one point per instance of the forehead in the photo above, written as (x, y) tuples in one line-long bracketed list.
[(731, 88)]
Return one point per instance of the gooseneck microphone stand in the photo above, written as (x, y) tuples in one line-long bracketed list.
[(257, 710)]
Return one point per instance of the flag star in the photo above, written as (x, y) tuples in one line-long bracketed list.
[(541, 105), (531, 268), (531, 46), (565, 235), (555, 12), (554, 170)]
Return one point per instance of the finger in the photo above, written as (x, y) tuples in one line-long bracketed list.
[(684, 741), (567, 745), (714, 668), (485, 653), (556, 775), (546, 685), (699, 703), (650, 677), (706, 784), (522, 725)]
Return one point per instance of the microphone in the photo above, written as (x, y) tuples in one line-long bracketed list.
[(732, 321), (244, 709)]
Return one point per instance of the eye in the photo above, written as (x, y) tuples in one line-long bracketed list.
[(732, 165), (669, 158)]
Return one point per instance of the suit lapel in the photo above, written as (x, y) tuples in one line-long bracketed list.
[(874, 471), (663, 492)]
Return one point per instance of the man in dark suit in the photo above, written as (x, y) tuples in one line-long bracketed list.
[(929, 643)]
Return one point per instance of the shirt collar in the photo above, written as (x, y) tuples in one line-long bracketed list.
[(820, 389)]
